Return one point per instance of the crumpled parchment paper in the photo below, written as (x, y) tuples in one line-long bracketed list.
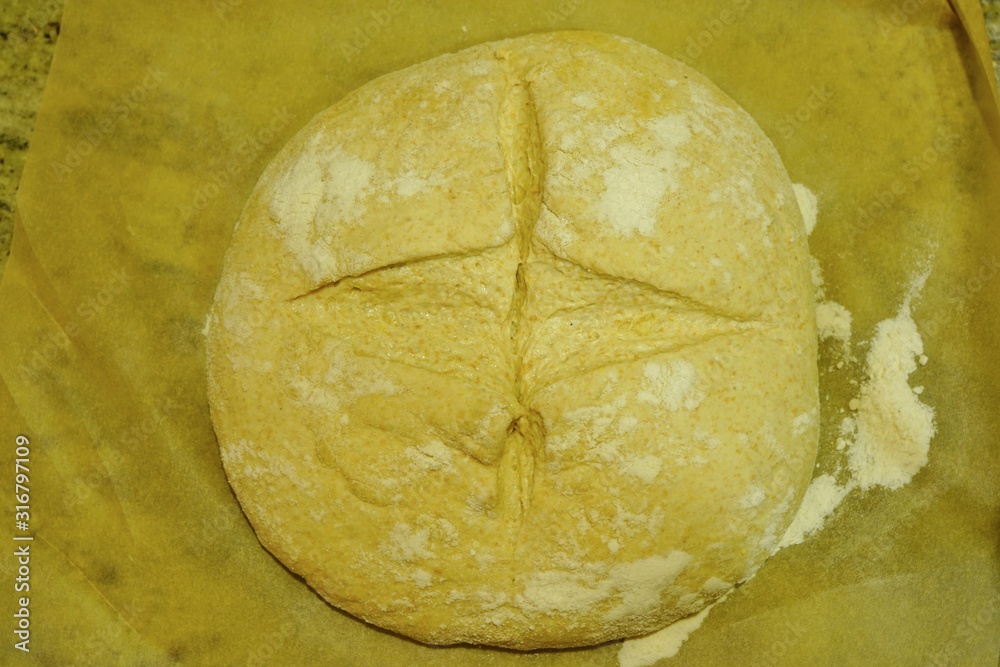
[(159, 117)]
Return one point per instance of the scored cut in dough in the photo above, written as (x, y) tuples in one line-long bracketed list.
[(517, 346)]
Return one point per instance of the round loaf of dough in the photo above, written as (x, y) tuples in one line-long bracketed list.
[(517, 346)]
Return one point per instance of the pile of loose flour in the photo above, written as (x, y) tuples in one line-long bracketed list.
[(886, 439)]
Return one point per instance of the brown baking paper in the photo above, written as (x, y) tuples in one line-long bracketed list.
[(159, 117)]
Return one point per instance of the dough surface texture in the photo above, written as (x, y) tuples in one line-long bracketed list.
[(517, 346)]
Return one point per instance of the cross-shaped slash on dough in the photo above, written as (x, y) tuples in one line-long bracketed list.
[(508, 321)]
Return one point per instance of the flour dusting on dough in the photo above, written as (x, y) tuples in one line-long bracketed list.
[(408, 544), (672, 384), (636, 586), (640, 177), (318, 192)]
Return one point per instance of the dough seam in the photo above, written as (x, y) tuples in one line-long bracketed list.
[(521, 147)]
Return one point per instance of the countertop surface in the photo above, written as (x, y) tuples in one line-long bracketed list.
[(29, 30), (28, 33)]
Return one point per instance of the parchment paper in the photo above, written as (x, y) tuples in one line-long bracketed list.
[(157, 120)]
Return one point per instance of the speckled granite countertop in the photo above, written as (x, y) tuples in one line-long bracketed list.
[(992, 10), (28, 33)]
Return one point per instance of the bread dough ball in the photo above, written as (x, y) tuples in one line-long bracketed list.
[(517, 346)]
